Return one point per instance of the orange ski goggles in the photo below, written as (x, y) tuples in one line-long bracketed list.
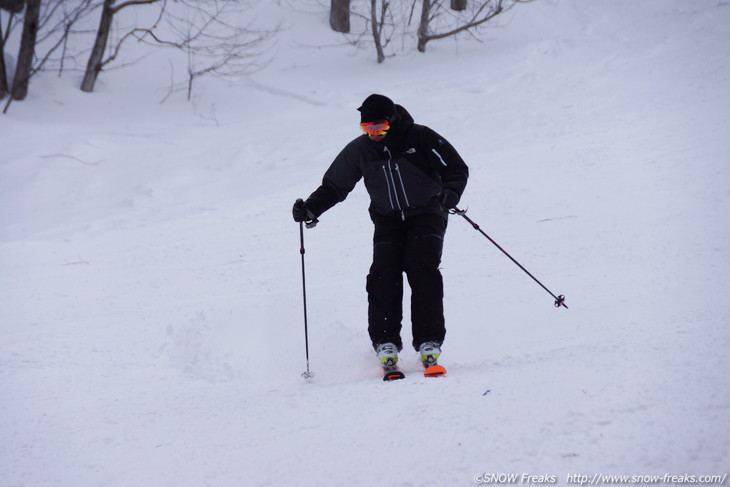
[(375, 128)]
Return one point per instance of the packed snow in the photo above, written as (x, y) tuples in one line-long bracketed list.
[(151, 329)]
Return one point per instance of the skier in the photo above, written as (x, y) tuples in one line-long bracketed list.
[(413, 176)]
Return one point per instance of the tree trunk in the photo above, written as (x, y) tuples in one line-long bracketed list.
[(423, 26), (13, 6), (376, 30), (93, 67), (27, 50), (458, 5), (340, 16), (4, 87)]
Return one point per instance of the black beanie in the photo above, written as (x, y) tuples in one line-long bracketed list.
[(376, 108)]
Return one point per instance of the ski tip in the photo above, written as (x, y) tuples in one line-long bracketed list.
[(390, 376), (435, 371)]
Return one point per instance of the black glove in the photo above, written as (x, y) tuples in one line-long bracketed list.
[(301, 213), (449, 199)]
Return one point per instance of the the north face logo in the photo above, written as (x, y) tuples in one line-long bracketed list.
[(412, 150)]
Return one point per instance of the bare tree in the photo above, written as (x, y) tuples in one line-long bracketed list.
[(12, 7), (480, 12), (340, 16), (438, 19), (45, 30), (4, 86), (27, 50), (96, 58), (207, 31), (376, 25), (213, 41)]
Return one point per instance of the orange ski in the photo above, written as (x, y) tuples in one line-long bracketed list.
[(434, 371)]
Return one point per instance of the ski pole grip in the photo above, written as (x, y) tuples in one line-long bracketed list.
[(312, 222)]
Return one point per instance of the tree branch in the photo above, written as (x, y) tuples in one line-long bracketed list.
[(473, 23), (131, 3)]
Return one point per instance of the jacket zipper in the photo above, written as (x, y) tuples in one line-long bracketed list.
[(402, 186), (391, 184)]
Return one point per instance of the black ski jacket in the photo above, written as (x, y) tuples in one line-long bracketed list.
[(404, 174)]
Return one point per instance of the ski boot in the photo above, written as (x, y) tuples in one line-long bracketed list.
[(430, 353), (388, 356)]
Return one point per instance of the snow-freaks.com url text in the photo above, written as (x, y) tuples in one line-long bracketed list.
[(599, 479)]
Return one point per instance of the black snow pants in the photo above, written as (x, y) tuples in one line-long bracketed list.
[(412, 245)]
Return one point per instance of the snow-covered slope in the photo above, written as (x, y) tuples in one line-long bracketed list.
[(151, 327)]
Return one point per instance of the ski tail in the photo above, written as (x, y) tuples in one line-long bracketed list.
[(393, 375)]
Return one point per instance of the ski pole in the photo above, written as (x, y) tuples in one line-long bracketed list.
[(559, 300), (307, 375)]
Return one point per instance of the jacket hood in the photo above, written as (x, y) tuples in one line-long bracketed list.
[(403, 121), (403, 114)]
